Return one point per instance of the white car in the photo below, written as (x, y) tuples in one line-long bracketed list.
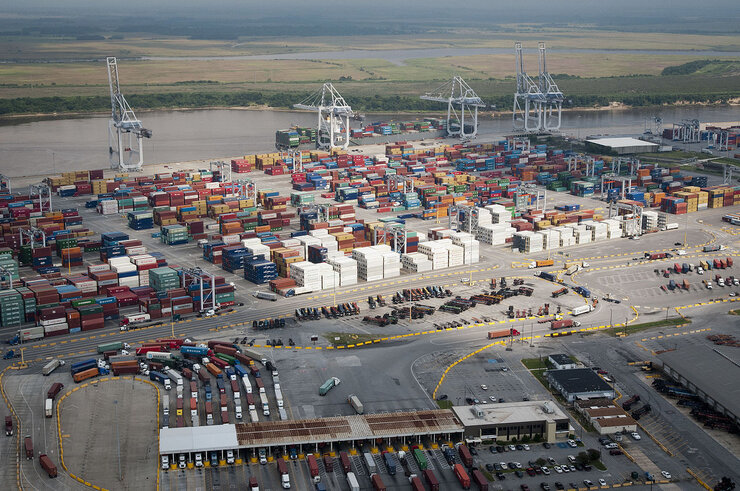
[(681, 252), (181, 464), (572, 443), (666, 474), (558, 469), (699, 270), (493, 398), (545, 470), (526, 447), (198, 460), (635, 435), (602, 482), (229, 456), (165, 462), (263, 456), (483, 387)]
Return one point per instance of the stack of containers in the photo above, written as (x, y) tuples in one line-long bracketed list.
[(259, 271), (437, 253), (599, 230), (163, 279), (107, 206), (307, 276), (143, 263), (258, 250), (71, 256), (528, 241), (416, 262), (329, 278), (54, 321), (29, 303), (581, 233), (369, 263), (110, 307), (550, 238), (456, 255), (140, 220), (11, 308), (613, 228), (127, 273), (174, 234), (233, 258), (41, 257), (316, 254), (346, 268), (471, 247), (391, 264), (91, 317), (9, 264)]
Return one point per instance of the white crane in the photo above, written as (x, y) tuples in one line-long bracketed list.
[(553, 96), (125, 131), (334, 115), (458, 94), (528, 99)]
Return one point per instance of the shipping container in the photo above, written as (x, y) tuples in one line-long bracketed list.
[(48, 465), (462, 476), (420, 458), (28, 446), (85, 374), (51, 366), (54, 390), (416, 484), (465, 455), (344, 459), (480, 480), (431, 480), (377, 483), (390, 463), (354, 485)]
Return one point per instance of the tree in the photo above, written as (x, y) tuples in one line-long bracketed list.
[(593, 454), (582, 458)]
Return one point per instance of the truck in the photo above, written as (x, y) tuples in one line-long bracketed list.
[(51, 366), (504, 333), (390, 463), (161, 378), (265, 296), (209, 413), (344, 460), (328, 463), (83, 365), (255, 355), (114, 346), (283, 471), (670, 226), (431, 480), (545, 275), (48, 407), (174, 376), (86, 374), (354, 401), (48, 465), (461, 476), (166, 405), (416, 484), (560, 292), (582, 291), (131, 320), (156, 355), (28, 446), (352, 482), (480, 480), (582, 309), (328, 385), (572, 269), (370, 463), (253, 485), (712, 248), (313, 468), (54, 390), (8, 426), (541, 263), (420, 458), (563, 324), (198, 351), (656, 255), (377, 483), (465, 455), (626, 405)]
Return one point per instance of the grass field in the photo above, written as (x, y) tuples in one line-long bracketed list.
[(593, 78), (634, 328)]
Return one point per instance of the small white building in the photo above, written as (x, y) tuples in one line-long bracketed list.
[(561, 361)]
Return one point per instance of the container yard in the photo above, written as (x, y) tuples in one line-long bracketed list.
[(200, 285)]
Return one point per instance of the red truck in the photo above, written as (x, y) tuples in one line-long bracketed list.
[(480, 480), (55, 388), (125, 367), (48, 465), (656, 255), (224, 417), (8, 426), (203, 376), (223, 400), (465, 455), (234, 386), (462, 476), (187, 373), (313, 467), (431, 479), (378, 484), (717, 264), (344, 459), (28, 445), (560, 292), (563, 324), (213, 344), (729, 262), (328, 463), (224, 350), (173, 343), (416, 483), (282, 466), (504, 333)]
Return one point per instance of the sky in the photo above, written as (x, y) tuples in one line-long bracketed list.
[(326, 13)]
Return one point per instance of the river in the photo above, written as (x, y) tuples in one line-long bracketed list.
[(52, 146)]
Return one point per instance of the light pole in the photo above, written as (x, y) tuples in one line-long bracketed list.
[(118, 439)]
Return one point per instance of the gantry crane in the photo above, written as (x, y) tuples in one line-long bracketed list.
[(125, 131), (458, 94), (528, 99), (334, 115), (5, 184), (42, 192), (553, 96)]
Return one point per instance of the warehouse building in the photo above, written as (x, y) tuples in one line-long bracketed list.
[(505, 421), (621, 146), (579, 383), (712, 373), (561, 361), (606, 417)]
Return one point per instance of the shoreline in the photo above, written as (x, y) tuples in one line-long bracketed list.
[(11, 119)]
